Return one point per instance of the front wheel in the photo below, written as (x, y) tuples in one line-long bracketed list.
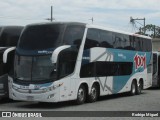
[(81, 95)]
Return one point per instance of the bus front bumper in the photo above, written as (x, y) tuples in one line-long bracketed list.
[(47, 95)]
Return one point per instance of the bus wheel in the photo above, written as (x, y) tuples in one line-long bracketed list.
[(81, 95), (133, 88), (139, 88), (92, 97)]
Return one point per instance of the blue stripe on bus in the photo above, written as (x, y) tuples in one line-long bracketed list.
[(127, 56), (120, 55)]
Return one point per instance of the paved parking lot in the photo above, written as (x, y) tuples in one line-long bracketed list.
[(149, 100)]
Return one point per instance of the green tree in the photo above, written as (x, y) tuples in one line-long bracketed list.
[(151, 30)]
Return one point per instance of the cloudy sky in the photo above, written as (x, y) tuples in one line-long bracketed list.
[(109, 13)]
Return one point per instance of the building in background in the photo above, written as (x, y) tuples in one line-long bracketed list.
[(156, 44)]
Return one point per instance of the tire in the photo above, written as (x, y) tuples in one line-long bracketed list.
[(92, 97), (133, 88), (81, 95), (139, 88)]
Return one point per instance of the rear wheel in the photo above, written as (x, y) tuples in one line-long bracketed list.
[(92, 97), (81, 95), (139, 88), (133, 88)]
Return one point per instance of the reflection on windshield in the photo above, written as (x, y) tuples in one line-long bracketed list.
[(34, 68), (41, 37)]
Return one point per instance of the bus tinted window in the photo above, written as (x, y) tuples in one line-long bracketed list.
[(41, 37), (106, 39), (67, 60), (88, 70), (92, 39), (94, 69), (118, 41), (126, 42), (73, 35), (138, 44), (9, 36), (132, 43)]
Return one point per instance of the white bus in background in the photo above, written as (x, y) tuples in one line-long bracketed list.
[(156, 70), (9, 36), (64, 61)]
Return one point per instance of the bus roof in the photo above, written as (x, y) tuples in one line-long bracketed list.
[(117, 31), (10, 28), (93, 26), (51, 23)]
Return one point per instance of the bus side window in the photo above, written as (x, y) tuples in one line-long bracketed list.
[(106, 39), (118, 41), (92, 39), (73, 35), (139, 44), (127, 44), (66, 62)]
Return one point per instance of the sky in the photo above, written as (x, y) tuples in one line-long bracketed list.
[(108, 13)]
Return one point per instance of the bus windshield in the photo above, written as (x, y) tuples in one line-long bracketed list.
[(37, 68), (40, 37)]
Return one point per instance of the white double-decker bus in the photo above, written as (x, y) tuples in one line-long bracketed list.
[(64, 61)]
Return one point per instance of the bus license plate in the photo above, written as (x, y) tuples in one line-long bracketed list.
[(30, 98)]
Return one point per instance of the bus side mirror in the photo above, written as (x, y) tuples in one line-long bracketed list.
[(6, 52), (57, 51)]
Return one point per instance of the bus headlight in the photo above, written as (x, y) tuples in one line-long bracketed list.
[(51, 88), (14, 87)]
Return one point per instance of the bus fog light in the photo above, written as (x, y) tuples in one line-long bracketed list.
[(51, 96)]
